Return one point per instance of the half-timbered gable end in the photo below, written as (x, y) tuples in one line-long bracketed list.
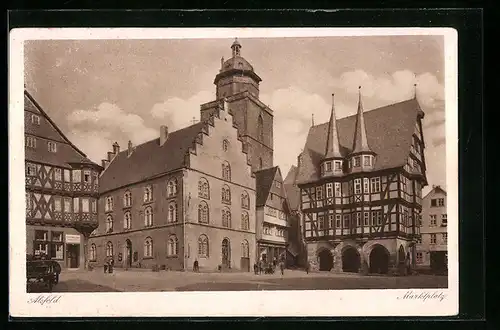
[(61, 188), (377, 193)]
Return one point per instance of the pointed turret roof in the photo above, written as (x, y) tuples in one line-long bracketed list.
[(360, 143), (332, 142)]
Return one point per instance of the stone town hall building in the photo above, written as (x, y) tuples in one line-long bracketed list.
[(360, 182), (191, 194)]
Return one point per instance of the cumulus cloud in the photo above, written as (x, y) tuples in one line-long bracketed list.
[(95, 130), (179, 113)]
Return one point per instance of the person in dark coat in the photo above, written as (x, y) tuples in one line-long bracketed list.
[(282, 267), (307, 267), (196, 266)]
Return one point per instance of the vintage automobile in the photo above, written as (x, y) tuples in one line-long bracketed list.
[(40, 269)]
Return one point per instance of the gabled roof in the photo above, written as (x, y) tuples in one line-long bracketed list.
[(434, 190), (291, 189), (150, 159), (263, 182), (389, 132), (67, 153)]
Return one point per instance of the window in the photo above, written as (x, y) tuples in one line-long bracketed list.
[(433, 220), (367, 160), (67, 205), (148, 217), (67, 176), (338, 165), (226, 218), (109, 249), (41, 235), (109, 224), (30, 142), (172, 188), (440, 201), (319, 192), (58, 174), (346, 220), (226, 194), (433, 238), (76, 205), (337, 220), (266, 230), (30, 169), (366, 185), (77, 176), (109, 204), (245, 222), (245, 200), (203, 188), (94, 206), (378, 215), (433, 202), (375, 184), (203, 212), (358, 219), (357, 186), (245, 249), (357, 161), (366, 218), (419, 258), (95, 175), (331, 222), (57, 204), (57, 246), (338, 189), (86, 176), (85, 205), (277, 184), (328, 166), (321, 222), (35, 119), (148, 194), (173, 246), (148, 247), (225, 145), (271, 195), (172, 212), (203, 251), (127, 199), (260, 128), (329, 190), (226, 171), (127, 220), (444, 220), (41, 248), (93, 252), (445, 238)]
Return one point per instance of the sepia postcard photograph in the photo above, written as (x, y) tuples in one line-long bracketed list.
[(233, 172)]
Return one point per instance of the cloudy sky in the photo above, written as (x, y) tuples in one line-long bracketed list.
[(100, 91)]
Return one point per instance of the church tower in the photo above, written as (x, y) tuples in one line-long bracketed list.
[(238, 84)]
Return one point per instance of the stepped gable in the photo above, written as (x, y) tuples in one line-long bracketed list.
[(264, 181), (389, 132)]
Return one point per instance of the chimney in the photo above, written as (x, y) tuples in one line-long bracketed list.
[(129, 150), (110, 156), (163, 134), (104, 163), (116, 148)]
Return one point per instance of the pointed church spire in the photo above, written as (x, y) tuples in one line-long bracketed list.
[(360, 143), (332, 142)]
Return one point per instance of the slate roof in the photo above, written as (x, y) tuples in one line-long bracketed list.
[(291, 189), (67, 153), (264, 181), (389, 132), (149, 159)]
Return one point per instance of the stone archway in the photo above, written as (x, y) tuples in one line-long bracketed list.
[(401, 255), (325, 260), (351, 260), (379, 260)]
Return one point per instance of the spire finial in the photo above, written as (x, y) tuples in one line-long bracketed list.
[(236, 46), (415, 86), (312, 119)]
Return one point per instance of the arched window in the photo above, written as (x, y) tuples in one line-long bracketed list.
[(203, 212), (109, 249), (226, 171), (260, 128), (245, 200), (225, 145), (245, 249), (203, 188), (172, 212), (93, 252), (148, 194), (109, 224), (226, 194), (148, 247), (172, 188), (148, 217), (226, 218), (245, 221), (109, 204), (203, 251), (127, 199), (127, 221), (173, 246)]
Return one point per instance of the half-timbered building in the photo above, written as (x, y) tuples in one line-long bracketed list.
[(61, 190), (360, 181), (186, 196)]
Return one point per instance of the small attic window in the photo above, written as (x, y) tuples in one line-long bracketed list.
[(225, 145), (357, 161), (35, 119), (338, 165), (367, 160), (328, 166)]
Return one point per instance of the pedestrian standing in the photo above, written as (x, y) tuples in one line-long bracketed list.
[(282, 267), (307, 267), (408, 264)]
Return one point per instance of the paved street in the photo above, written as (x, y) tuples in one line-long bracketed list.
[(147, 281)]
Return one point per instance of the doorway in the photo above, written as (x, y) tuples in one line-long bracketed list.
[(325, 260), (128, 253), (73, 255), (350, 260), (379, 260), (226, 253)]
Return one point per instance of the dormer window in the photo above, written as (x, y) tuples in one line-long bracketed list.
[(357, 161), (367, 160), (338, 165), (328, 166), (35, 119), (52, 146)]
